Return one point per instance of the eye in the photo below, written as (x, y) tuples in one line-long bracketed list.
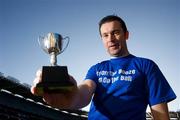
[(116, 32), (105, 35)]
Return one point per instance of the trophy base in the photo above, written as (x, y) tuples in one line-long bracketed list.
[(55, 79)]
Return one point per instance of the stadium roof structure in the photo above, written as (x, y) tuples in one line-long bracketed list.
[(16, 101)]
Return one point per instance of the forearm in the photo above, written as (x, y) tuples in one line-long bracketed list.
[(82, 97)]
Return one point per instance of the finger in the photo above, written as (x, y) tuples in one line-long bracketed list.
[(38, 77), (34, 91), (36, 81), (39, 73)]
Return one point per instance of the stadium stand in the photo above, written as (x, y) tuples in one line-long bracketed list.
[(17, 103)]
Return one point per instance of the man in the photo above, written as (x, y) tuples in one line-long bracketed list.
[(120, 88)]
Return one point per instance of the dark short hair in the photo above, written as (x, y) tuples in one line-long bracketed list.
[(110, 18)]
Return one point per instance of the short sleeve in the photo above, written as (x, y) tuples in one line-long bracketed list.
[(91, 74), (159, 90)]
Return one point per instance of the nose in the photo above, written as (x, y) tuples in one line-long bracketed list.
[(111, 37)]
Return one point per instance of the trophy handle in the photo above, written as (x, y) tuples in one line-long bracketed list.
[(67, 39)]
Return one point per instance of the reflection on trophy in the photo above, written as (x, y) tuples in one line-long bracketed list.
[(54, 78)]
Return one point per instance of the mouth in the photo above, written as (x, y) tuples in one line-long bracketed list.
[(113, 46)]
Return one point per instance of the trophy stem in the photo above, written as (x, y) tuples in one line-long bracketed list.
[(53, 59)]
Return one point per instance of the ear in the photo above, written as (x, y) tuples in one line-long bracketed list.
[(127, 35)]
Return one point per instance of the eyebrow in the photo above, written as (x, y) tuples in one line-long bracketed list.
[(115, 30)]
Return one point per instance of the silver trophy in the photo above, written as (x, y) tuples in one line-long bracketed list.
[(53, 44), (54, 78)]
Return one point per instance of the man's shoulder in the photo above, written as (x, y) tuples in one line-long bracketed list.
[(142, 59), (143, 63)]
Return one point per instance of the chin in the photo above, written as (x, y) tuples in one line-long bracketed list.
[(114, 54)]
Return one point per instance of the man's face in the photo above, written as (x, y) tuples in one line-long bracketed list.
[(114, 38)]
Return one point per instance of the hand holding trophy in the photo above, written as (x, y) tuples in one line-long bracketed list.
[(54, 78)]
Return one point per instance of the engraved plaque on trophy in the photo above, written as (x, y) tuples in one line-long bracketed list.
[(55, 78)]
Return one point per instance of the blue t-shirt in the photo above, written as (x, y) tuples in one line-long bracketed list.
[(125, 86)]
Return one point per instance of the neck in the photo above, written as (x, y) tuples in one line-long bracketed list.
[(120, 55)]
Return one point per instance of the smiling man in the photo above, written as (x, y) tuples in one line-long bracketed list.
[(120, 88)]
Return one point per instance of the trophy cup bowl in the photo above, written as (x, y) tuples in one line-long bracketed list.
[(54, 78)]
